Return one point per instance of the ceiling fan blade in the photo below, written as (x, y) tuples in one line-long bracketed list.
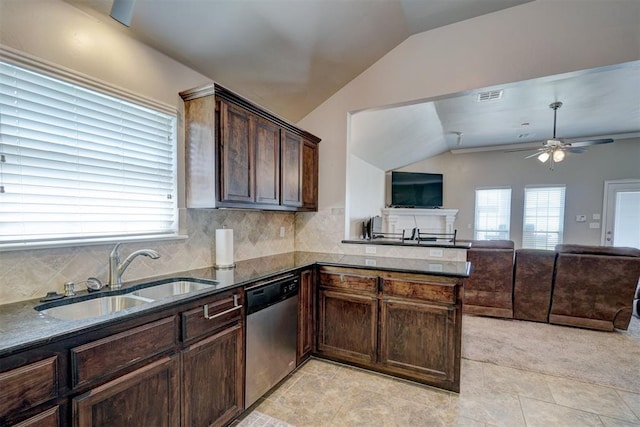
[(534, 154), (592, 142), (515, 150), (576, 150)]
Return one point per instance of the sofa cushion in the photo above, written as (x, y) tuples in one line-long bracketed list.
[(489, 289), (598, 250)]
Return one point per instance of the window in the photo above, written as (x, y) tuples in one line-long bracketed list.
[(79, 165), (493, 214), (543, 217)]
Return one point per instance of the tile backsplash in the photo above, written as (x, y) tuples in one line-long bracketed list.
[(27, 274)]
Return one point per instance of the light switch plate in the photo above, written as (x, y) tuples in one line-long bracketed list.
[(581, 218), (596, 216), (594, 225)]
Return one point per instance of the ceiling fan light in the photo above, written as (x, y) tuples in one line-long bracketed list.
[(543, 157), (558, 156)]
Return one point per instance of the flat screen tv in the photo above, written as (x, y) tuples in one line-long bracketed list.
[(416, 190)]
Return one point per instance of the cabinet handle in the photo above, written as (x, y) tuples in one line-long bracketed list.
[(235, 307)]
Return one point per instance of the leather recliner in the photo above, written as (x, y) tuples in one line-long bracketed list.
[(533, 284), (489, 289), (594, 286)]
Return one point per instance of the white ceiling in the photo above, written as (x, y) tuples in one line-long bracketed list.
[(286, 55), (602, 102)]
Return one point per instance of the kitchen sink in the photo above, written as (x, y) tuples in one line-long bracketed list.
[(170, 289), (94, 307), (108, 304)]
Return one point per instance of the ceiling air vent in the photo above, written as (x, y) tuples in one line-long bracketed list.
[(491, 95)]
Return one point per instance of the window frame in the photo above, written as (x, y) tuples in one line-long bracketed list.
[(527, 241), (35, 65), (477, 229)]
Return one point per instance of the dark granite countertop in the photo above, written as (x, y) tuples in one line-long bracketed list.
[(22, 327)]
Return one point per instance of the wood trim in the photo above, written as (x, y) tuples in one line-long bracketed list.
[(48, 418)]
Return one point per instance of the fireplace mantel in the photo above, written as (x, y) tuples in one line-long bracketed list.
[(395, 220)]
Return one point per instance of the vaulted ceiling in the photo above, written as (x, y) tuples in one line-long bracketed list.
[(286, 55)]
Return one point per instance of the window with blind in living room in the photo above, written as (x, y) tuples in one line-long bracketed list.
[(80, 165), (492, 213), (543, 222)]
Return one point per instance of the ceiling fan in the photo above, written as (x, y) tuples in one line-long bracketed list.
[(555, 149)]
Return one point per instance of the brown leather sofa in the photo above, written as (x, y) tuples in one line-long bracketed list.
[(594, 286), (576, 285), (489, 289)]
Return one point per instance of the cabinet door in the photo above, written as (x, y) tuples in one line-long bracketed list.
[(306, 315), (419, 339), (347, 327), (213, 379), (291, 170), (267, 146), (236, 148), (149, 396), (48, 418), (310, 175)]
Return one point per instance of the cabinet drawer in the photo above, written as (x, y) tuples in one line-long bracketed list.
[(349, 281), (111, 354), (438, 292), (28, 386), (212, 314)]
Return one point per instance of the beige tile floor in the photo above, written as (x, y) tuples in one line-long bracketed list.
[(323, 393)]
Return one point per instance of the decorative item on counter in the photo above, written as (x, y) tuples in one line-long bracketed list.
[(224, 248)]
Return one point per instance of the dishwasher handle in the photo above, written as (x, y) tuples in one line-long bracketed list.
[(222, 313)]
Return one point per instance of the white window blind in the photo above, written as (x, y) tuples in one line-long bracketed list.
[(493, 214), (543, 217), (78, 164)]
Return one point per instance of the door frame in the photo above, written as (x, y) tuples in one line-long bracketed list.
[(609, 187)]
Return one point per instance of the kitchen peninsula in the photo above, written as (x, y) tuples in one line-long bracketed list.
[(397, 316)]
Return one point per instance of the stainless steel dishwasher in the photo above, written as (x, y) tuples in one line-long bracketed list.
[(272, 318)]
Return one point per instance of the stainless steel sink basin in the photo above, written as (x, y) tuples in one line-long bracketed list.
[(94, 307), (170, 289)]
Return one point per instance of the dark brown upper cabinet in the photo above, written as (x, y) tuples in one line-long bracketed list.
[(239, 155)]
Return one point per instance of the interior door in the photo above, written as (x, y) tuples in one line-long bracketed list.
[(621, 213)]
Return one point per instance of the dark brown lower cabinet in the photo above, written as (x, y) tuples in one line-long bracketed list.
[(408, 325), (213, 378), (347, 326), (416, 339), (149, 396)]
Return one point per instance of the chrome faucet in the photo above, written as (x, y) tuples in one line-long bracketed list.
[(116, 269)]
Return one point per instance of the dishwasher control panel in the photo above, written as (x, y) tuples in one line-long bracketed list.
[(270, 293)]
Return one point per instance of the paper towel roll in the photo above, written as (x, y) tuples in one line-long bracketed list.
[(224, 247), (225, 276)]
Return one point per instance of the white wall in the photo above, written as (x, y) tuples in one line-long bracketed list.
[(366, 197), (582, 174), (536, 39)]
